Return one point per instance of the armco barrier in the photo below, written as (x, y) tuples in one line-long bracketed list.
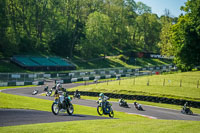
[(143, 98), (22, 83), (11, 78)]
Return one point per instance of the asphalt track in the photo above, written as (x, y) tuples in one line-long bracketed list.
[(12, 117), (149, 111)]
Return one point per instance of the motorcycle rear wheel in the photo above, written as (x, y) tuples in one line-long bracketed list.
[(99, 110), (55, 108), (70, 109)]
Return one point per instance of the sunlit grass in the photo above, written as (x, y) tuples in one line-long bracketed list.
[(179, 86), (11, 87)]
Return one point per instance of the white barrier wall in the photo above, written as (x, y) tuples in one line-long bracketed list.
[(35, 83), (129, 70), (121, 71), (74, 79), (82, 74), (118, 75), (92, 73), (85, 78), (97, 77), (32, 75), (15, 75), (157, 68), (60, 81), (151, 68), (108, 76), (112, 72), (19, 83), (3, 84), (71, 74), (164, 67), (144, 69), (47, 75), (102, 72), (136, 70), (137, 74)]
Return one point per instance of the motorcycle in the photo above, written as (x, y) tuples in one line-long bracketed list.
[(138, 106), (35, 92), (49, 93), (77, 95), (105, 108), (62, 103), (187, 111), (46, 88), (123, 103)]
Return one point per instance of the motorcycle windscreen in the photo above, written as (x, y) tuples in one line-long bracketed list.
[(69, 98), (61, 98)]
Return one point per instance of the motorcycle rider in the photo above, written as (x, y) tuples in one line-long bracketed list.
[(64, 91), (58, 88), (121, 100), (46, 88), (76, 93), (186, 108), (104, 99), (137, 105)]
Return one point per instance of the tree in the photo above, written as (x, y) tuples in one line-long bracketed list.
[(148, 31), (165, 44), (143, 8), (185, 37), (98, 34)]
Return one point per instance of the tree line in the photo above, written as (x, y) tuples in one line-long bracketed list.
[(91, 28)]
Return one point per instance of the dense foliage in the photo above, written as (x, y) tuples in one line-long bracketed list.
[(90, 28), (183, 38), (87, 28)]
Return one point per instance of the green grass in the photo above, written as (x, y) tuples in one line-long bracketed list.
[(116, 61), (11, 87), (138, 86), (19, 102), (7, 66), (128, 123), (110, 62)]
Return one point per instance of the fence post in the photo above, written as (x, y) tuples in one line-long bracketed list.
[(180, 83), (164, 82), (148, 82)]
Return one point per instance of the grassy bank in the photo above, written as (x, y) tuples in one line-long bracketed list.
[(109, 62), (118, 61), (177, 85)]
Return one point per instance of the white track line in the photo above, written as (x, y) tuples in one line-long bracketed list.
[(150, 117)]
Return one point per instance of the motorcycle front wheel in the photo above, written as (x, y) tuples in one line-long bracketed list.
[(99, 110), (190, 112), (55, 108), (70, 109), (111, 114)]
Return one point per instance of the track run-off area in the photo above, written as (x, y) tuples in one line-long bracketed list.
[(10, 117)]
